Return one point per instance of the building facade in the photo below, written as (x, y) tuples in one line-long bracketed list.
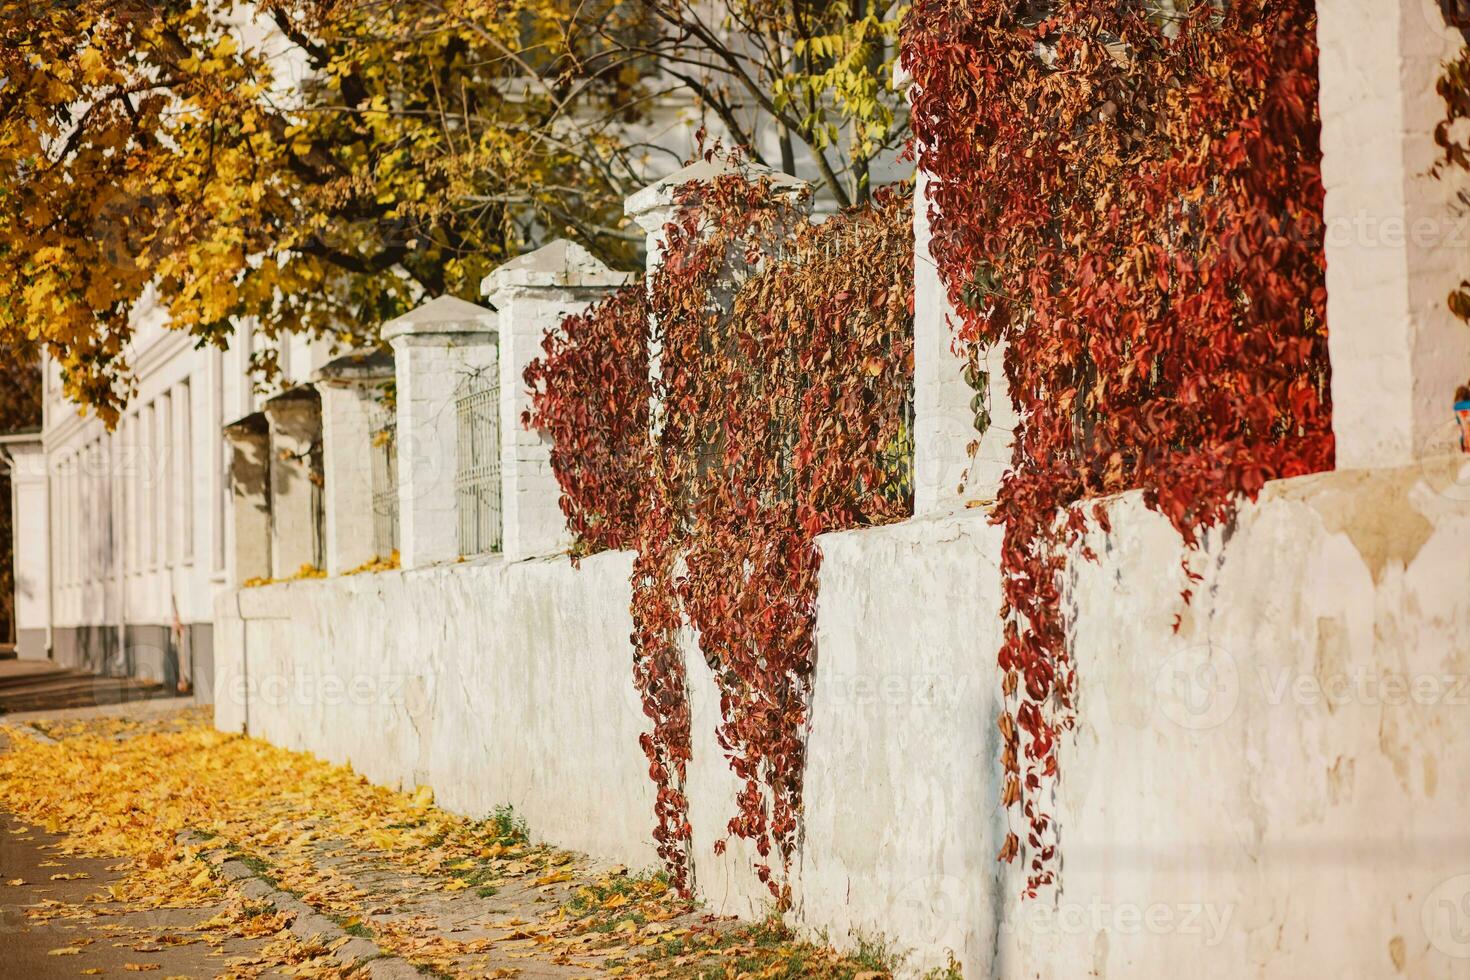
[(124, 535)]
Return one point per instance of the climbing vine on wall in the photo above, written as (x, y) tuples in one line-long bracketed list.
[(589, 393), (1450, 133), (784, 382), (1127, 195)]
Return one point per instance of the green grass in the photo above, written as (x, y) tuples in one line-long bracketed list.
[(874, 953), (951, 972), (589, 899), (505, 826), (358, 928)]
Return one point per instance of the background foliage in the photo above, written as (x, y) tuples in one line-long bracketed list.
[(321, 165), (1128, 196)]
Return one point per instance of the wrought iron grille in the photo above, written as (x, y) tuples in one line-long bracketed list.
[(385, 485), (477, 475)]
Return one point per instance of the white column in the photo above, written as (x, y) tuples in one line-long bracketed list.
[(1396, 245), (532, 295), (953, 461), (435, 349), (295, 431), (351, 390), (31, 548)]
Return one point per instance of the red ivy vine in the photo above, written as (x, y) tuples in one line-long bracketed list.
[(589, 393), (1131, 201), (1454, 88), (784, 386)]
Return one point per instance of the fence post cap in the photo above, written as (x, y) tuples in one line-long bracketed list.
[(562, 263), (356, 367), (294, 410), (444, 315), (650, 206), (247, 428)]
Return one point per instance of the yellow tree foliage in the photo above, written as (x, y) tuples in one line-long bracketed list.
[(321, 165), (315, 167)]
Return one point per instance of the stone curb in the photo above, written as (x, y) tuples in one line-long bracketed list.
[(357, 954), (32, 732)]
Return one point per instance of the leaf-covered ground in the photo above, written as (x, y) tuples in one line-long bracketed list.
[(451, 896)]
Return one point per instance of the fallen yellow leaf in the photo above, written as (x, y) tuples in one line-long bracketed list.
[(63, 951)]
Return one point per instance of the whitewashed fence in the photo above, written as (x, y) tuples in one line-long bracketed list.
[(1275, 789)]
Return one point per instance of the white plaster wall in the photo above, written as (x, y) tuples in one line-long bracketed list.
[(493, 683), (1277, 790)]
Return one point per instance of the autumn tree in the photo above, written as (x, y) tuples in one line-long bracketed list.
[(320, 165)]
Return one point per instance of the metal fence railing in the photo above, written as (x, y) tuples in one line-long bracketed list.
[(385, 485), (477, 474)]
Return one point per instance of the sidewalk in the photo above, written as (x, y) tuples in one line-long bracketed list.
[(189, 852), (40, 685)]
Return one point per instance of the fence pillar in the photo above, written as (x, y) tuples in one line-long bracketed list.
[(533, 294), (1395, 243), (31, 547), (295, 419), (351, 389), (653, 207), (250, 483), (435, 348), (953, 461)]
